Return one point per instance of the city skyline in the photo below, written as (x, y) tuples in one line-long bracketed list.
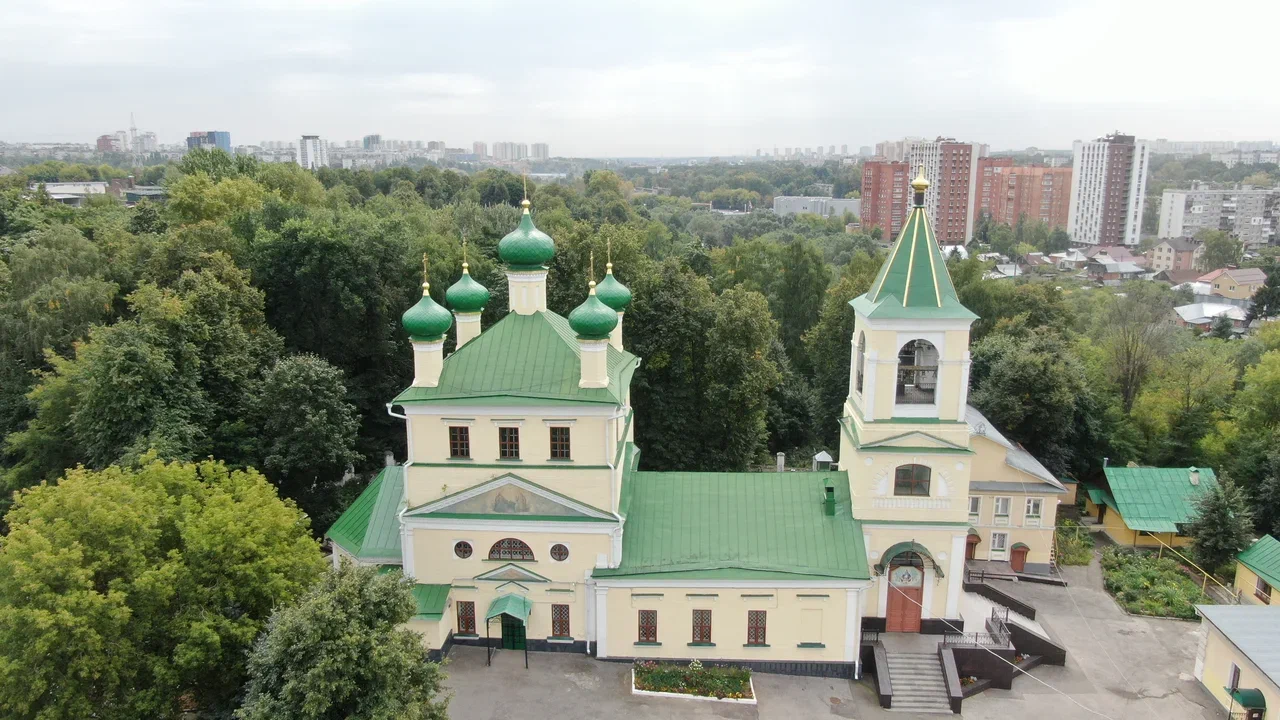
[(693, 79)]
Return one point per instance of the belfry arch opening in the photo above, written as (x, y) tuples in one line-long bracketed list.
[(917, 373)]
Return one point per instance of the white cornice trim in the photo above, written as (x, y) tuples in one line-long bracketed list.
[(502, 481), (511, 526), (549, 411), (623, 582)]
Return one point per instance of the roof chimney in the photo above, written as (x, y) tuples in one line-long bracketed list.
[(829, 501), (1195, 476)]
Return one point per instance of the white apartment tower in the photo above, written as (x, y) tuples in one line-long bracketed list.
[(313, 152), (540, 151), (1108, 184)]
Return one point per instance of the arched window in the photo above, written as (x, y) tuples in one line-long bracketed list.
[(917, 373), (911, 480), (510, 549), (859, 363)]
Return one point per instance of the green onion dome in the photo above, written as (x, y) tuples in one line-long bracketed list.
[(593, 320), (426, 320), (613, 293), (467, 295), (526, 247)]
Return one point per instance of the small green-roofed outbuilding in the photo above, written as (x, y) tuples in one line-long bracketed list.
[(748, 526), (1263, 558), (1158, 500)]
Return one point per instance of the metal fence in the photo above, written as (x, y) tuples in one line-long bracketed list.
[(998, 635)]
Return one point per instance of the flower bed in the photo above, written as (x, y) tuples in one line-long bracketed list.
[(1145, 585), (1075, 544), (732, 684)]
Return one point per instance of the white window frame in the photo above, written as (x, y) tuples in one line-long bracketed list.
[(975, 512), (1002, 518), (1033, 519), (999, 553)]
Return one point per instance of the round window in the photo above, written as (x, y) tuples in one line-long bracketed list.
[(559, 552), (462, 549)]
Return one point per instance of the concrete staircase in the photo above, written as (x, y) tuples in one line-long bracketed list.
[(917, 683)]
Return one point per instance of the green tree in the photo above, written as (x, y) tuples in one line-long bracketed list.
[(1222, 328), (1220, 249), (1266, 300), (740, 378), (137, 592), (1221, 526), (307, 430), (341, 653), (197, 197), (798, 295), (1137, 332)]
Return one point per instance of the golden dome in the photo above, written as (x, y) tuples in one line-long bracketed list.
[(920, 184)]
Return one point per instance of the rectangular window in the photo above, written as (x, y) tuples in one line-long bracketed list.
[(702, 626), (648, 626), (559, 443), (999, 542), (911, 480), (1002, 507), (466, 617), (1033, 511), (509, 443), (1262, 591), (755, 627), (1234, 677), (975, 506), (560, 621), (460, 442)]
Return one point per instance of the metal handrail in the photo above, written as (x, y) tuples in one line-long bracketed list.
[(1204, 584)]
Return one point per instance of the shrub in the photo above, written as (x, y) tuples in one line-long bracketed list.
[(694, 679), (1075, 544), (1143, 584)]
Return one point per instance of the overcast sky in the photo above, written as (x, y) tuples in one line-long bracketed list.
[(687, 77)]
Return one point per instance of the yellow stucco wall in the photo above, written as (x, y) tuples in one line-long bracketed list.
[(1246, 585), (939, 543), (791, 619), (881, 361), (435, 562), (1219, 655), (542, 595), (434, 632), (1113, 524), (586, 477), (871, 480)]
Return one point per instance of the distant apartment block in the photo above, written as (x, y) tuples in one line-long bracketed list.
[(540, 151), (208, 139), (107, 143), (147, 143), (1107, 189), (885, 194), (1242, 157), (1247, 213), (1007, 192), (371, 142), (825, 206), (510, 151), (1191, 148), (951, 168), (480, 150), (313, 153), (1177, 254)]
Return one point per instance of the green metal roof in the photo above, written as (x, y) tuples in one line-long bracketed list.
[(1157, 499), (902, 547), (737, 525), (1251, 698), (914, 281), (516, 606), (527, 357), (369, 529), (1263, 558), (1100, 496), (431, 600)]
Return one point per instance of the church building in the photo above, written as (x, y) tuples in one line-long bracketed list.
[(524, 520)]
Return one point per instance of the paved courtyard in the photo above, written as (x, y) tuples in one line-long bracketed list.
[(1118, 666)]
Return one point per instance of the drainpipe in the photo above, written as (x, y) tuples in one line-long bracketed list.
[(394, 414)]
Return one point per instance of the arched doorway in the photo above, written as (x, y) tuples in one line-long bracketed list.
[(1018, 557), (971, 545), (906, 593)]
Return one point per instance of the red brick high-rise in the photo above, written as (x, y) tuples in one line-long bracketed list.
[(1006, 192), (885, 194)]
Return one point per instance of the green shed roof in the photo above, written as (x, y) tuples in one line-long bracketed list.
[(1157, 499), (524, 357), (431, 600), (914, 281), (738, 525), (369, 529), (1263, 558)]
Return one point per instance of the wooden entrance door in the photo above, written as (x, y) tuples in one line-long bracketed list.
[(971, 547), (906, 593), (1018, 558), (512, 633)]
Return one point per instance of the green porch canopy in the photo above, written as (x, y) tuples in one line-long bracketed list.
[(896, 550), (1248, 698), (514, 605)]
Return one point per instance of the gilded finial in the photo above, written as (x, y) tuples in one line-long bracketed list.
[(592, 276), (920, 184), (464, 255), (426, 286), (608, 248), (524, 177)]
